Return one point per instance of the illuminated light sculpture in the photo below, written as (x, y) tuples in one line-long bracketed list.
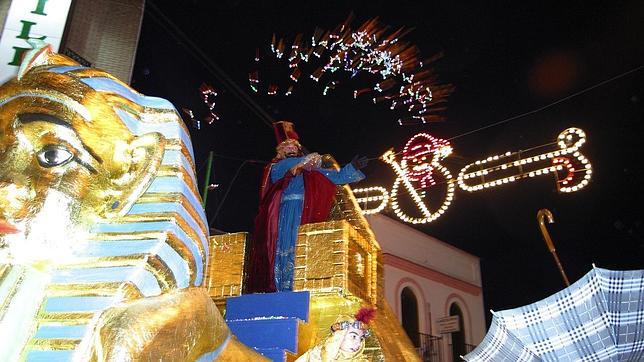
[(103, 240), (421, 160), (421, 155), (373, 194), (401, 172), (513, 166)]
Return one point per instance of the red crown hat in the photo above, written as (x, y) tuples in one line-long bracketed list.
[(284, 131)]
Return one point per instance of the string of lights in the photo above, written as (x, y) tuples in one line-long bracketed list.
[(171, 28)]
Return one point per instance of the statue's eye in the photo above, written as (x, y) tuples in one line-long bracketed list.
[(53, 155)]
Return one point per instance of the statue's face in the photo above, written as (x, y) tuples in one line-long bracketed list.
[(61, 171), (352, 340), (47, 174), (289, 148), (291, 151)]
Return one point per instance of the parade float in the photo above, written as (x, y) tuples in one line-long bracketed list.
[(106, 253)]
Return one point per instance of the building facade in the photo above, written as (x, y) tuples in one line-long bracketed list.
[(98, 33), (427, 283)]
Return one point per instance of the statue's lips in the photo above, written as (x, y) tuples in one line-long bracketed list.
[(7, 228)]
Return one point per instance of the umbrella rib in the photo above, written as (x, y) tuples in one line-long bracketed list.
[(484, 352), (602, 296), (518, 340)]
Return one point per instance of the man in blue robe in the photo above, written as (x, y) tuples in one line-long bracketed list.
[(295, 190)]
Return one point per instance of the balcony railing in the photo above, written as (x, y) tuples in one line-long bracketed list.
[(469, 348), (466, 349), (430, 348)]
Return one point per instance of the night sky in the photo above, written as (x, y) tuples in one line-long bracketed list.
[(504, 59)]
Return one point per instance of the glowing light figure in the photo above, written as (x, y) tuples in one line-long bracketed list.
[(403, 178), (421, 155)]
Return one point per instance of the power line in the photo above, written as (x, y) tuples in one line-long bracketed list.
[(550, 104), (230, 186), (210, 65)]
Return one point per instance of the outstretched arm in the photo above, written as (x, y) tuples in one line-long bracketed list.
[(345, 175)]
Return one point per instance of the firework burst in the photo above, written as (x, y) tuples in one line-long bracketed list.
[(371, 60)]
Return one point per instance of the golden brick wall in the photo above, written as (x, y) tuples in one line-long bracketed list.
[(333, 256), (225, 273)]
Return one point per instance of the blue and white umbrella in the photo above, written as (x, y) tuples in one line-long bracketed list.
[(598, 318)]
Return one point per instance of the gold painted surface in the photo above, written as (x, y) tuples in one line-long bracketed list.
[(68, 319), (333, 256), (76, 158), (325, 309), (149, 328), (394, 342), (225, 274), (307, 336), (170, 238), (4, 270), (152, 197), (236, 351), (168, 216), (341, 283), (340, 263), (347, 208), (54, 344), (388, 340)]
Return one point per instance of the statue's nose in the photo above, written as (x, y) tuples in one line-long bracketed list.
[(12, 197)]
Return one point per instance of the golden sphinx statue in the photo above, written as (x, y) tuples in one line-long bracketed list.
[(103, 242)]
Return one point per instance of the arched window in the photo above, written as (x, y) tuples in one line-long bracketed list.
[(409, 309), (458, 338)]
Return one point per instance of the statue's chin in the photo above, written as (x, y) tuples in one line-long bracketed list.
[(50, 236), (38, 249)]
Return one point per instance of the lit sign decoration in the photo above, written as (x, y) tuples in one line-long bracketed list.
[(420, 167), (420, 161)]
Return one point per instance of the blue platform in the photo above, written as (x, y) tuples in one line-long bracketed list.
[(268, 322)]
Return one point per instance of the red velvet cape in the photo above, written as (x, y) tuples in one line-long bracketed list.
[(319, 195)]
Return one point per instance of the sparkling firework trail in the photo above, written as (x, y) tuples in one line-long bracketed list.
[(398, 76), (207, 94)]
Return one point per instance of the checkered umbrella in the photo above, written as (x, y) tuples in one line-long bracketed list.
[(598, 318)]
